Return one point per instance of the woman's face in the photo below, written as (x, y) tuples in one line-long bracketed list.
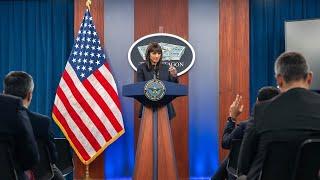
[(155, 57)]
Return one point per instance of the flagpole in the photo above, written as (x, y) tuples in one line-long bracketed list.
[(88, 4), (86, 100), (87, 177), (87, 173)]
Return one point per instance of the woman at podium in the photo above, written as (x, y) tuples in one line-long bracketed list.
[(153, 68)]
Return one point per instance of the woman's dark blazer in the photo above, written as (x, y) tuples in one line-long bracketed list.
[(144, 74)]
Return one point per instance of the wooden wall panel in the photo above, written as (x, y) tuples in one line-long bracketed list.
[(96, 168), (168, 16), (233, 59)]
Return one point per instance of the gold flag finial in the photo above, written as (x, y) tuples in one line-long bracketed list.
[(88, 4)]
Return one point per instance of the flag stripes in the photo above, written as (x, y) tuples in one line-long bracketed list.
[(87, 107)]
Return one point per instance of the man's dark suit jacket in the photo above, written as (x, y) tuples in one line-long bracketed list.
[(292, 115), (143, 74), (15, 127), (42, 131), (231, 132)]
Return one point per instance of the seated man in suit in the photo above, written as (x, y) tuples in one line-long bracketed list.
[(20, 84), (293, 115), (16, 128), (233, 131)]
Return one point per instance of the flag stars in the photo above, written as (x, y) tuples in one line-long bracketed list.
[(87, 55)]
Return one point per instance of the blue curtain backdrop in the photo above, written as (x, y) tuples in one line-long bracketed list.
[(36, 37), (267, 38)]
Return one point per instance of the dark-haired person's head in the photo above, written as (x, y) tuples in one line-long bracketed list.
[(267, 93), (20, 84), (291, 70), (153, 55)]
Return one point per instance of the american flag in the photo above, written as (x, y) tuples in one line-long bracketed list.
[(87, 106)]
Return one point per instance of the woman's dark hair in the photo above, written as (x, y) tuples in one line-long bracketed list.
[(153, 47)]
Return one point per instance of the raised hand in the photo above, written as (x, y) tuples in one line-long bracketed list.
[(236, 108), (173, 71)]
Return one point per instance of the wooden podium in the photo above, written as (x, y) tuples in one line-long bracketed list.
[(155, 157)]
